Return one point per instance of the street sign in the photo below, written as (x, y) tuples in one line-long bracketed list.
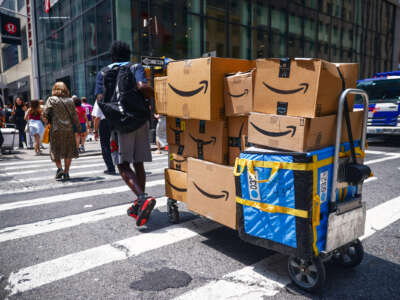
[(152, 61), (10, 30)]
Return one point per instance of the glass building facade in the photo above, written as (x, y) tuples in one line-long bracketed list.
[(75, 48)]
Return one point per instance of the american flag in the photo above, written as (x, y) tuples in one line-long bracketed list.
[(47, 6)]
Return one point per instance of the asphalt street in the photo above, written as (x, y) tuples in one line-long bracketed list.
[(73, 240)]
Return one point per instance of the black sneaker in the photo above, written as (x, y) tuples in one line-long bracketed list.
[(146, 206), (133, 210), (66, 176), (110, 172), (59, 174)]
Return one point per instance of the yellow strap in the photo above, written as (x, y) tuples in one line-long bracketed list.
[(239, 163), (316, 205), (273, 208)]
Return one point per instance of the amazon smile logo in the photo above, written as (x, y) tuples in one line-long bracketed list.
[(203, 83), (225, 194), (179, 161), (292, 129), (182, 190), (245, 92), (304, 86)]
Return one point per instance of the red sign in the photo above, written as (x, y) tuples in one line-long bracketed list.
[(11, 28), (47, 6)]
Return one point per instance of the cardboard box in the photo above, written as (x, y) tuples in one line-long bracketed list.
[(177, 160), (176, 185), (238, 93), (160, 95), (237, 137), (207, 140), (303, 87), (297, 133), (176, 131), (212, 192), (196, 87)]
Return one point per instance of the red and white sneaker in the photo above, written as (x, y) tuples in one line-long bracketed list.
[(133, 210), (144, 211)]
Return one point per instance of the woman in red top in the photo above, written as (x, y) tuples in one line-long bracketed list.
[(80, 137), (34, 116)]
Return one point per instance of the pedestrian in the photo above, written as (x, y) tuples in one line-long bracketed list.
[(34, 117), (81, 112), (161, 133), (60, 112), (102, 128), (89, 110), (18, 113), (132, 147)]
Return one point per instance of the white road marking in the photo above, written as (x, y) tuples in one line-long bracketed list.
[(264, 278), (258, 280), (26, 230), (75, 263), (374, 161), (35, 164), (52, 168), (72, 196), (47, 160), (93, 173)]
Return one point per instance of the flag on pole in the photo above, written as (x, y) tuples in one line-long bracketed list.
[(47, 6)]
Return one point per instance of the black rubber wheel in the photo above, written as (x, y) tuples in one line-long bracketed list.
[(172, 211), (309, 275), (351, 255)]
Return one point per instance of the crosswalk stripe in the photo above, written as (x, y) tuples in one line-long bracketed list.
[(266, 278), (47, 160), (26, 230), (75, 263), (106, 176), (52, 168), (374, 161), (61, 184), (72, 196)]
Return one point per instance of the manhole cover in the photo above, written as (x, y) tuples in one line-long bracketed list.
[(162, 279)]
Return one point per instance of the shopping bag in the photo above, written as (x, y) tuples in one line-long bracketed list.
[(46, 135)]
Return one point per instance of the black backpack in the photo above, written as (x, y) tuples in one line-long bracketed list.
[(123, 105)]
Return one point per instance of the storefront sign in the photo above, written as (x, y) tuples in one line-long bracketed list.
[(152, 61), (10, 30)]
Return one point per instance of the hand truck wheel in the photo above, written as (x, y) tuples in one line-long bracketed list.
[(350, 255), (172, 211), (309, 275)]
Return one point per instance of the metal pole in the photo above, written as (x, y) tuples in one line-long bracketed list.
[(342, 99), (35, 67)]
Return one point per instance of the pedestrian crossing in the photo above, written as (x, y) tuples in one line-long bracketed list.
[(27, 185)]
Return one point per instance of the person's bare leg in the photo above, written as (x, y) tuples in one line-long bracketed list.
[(37, 143), (67, 164), (130, 178), (141, 175), (83, 138), (77, 139), (58, 164)]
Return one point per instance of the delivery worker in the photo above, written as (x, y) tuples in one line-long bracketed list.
[(132, 147)]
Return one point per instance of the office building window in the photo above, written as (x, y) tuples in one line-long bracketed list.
[(24, 44), (10, 56), (20, 4)]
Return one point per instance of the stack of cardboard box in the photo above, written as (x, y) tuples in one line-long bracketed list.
[(192, 97), (295, 103), (216, 106)]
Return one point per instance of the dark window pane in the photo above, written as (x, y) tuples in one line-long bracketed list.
[(104, 26), (24, 44), (215, 37), (260, 15), (278, 20), (91, 73), (239, 11), (278, 45), (20, 4), (260, 42), (78, 39), (216, 9), (79, 81), (89, 3), (66, 50), (10, 56), (90, 33), (239, 41), (76, 7)]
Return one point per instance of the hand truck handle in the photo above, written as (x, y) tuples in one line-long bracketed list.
[(342, 101)]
